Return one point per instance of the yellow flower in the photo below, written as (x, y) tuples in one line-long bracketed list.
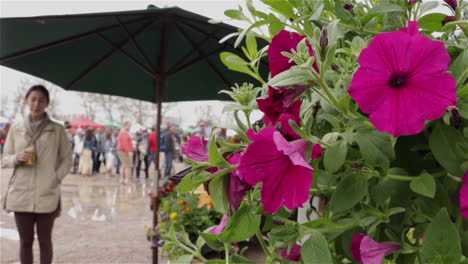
[(145, 227), (173, 215)]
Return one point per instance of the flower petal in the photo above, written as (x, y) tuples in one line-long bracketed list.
[(196, 149)]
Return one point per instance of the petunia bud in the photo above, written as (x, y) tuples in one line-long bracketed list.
[(368, 251), (452, 3), (335, 67), (324, 39), (457, 119), (348, 6), (449, 19)]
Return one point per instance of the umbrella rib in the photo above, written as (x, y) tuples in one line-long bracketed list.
[(130, 57), (135, 44), (197, 49), (107, 56), (195, 61), (61, 42), (201, 43)]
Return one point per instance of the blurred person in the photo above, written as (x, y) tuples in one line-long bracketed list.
[(152, 145), (202, 130), (37, 148), (100, 150), (171, 139), (3, 136), (143, 154), (109, 154), (115, 141), (125, 152), (78, 140), (85, 166)]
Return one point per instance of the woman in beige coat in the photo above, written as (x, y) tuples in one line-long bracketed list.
[(39, 167)]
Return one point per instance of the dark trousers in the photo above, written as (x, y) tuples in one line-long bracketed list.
[(147, 161), (76, 162), (117, 162), (97, 162), (44, 224), (168, 158)]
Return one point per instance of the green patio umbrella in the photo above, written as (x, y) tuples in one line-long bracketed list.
[(156, 55), (111, 123)]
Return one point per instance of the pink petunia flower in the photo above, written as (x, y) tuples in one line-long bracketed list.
[(196, 149), (403, 81), (364, 249), (452, 3), (284, 41), (317, 152), (293, 255), (281, 167), (464, 196), (280, 107), (413, 1), (220, 228), (237, 186)]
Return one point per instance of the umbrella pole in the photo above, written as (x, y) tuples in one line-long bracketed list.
[(157, 175)]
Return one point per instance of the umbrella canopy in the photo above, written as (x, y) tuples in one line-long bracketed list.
[(111, 123), (84, 122), (123, 53)]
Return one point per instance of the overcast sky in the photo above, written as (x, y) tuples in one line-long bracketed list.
[(71, 104)]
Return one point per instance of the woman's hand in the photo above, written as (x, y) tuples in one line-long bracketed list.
[(24, 156)]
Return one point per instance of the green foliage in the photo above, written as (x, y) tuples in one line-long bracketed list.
[(400, 189)]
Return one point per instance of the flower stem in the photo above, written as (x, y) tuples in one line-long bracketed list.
[(400, 178), (226, 249), (247, 117), (258, 233)]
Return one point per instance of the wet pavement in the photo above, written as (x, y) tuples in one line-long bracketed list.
[(101, 221)]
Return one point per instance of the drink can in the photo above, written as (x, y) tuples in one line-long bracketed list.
[(32, 160)]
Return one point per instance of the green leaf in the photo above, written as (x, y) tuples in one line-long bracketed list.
[(236, 14), (216, 159), (275, 25), (282, 7), (445, 143), (251, 43), (218, 191), (451, 24), (193, 180), (463, 108), (216, 261), (243, 33), (385, 8), (236, 63), (334, 32), (432, 22), (235, 107), (184, 259), (350, 190), (292, 76), (316, 251), (242, 225), (426, 6), (335, 156), (212, 241), (424, 185), (236, 259), (376, 147), (459, 65), (323, 225), (441, 241)]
